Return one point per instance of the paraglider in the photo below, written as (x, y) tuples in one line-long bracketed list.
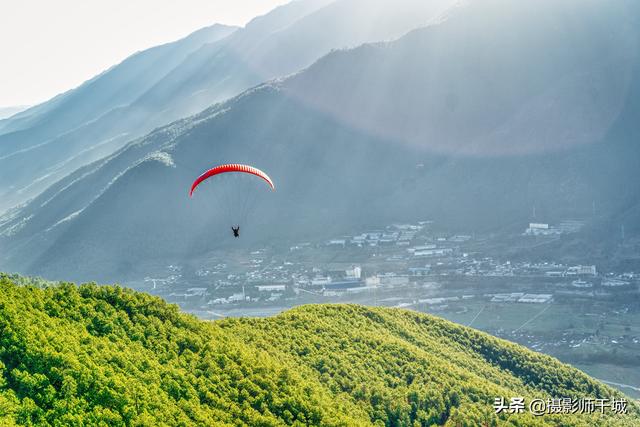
[(235, 167), (231, 168)]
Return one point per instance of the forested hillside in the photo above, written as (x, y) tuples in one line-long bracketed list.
[(93, 355)]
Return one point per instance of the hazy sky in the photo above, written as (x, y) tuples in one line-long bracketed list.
[(47, 47)]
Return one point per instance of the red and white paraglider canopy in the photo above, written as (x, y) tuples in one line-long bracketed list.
[(233, 167)]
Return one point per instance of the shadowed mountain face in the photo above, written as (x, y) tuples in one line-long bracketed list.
[(558, 82), (163, 84), (469, 122)]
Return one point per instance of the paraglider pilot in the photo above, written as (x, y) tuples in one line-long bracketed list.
[(233, 167)]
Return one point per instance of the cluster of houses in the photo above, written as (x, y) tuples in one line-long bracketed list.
[(396, 234), (415, 253), (400, 235), (544, 229)]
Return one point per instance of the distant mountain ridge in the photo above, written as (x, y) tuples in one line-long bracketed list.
[(107, 355), (6, 112), (46, 141), (49, 141), (118, 85)]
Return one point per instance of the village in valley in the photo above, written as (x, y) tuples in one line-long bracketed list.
[(578, 312)]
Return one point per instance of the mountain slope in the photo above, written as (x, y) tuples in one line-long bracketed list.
[(351, 144), (262, 52), (119, 85), (282, 42), (6, 112), (46, 141), (88, 354)]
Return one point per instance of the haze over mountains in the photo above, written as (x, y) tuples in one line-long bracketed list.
[(6, 112), (470, 121), (172, 81), (45, 142)]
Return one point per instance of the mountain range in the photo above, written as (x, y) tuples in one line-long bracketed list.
[(47, 141), (470, 121), (165, 83)]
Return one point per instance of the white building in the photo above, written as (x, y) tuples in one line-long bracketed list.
[(614, 283), (581, 284), (355, 272), (420, 248), (432, 252), (582, 270), (538, 226), (512, 297), (320, 280), (460, 238), (372, 281), (540, 229), (236, 297), (394, 280), (536, 298), (196, 292), (271, 288)]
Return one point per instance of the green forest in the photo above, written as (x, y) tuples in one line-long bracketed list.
[(105, 355)]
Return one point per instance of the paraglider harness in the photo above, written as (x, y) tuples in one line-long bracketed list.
[(236, 231)]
